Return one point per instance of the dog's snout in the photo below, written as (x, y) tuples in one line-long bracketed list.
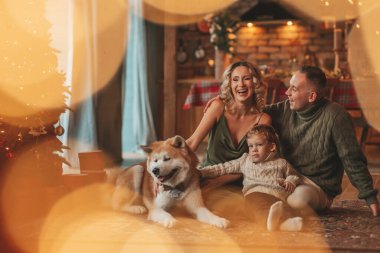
[(156, 171)]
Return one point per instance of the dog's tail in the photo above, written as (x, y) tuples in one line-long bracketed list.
[(112, 175)]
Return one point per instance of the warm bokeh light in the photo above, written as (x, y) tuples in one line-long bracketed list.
[(159, 16), (77, 220), (32, 182), (29, 76), (99, 42), (194, 7), (26, 179), (364, 60), (341, 9), (76, 225), (82, 221)]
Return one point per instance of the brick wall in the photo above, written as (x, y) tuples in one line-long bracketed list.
[(271, 45), (275, 45)]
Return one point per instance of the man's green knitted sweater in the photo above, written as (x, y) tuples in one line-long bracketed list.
[(320, 143)]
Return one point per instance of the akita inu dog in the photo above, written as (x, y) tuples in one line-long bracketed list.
[(172, 180)]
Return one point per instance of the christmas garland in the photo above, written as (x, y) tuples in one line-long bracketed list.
[(223, 30)]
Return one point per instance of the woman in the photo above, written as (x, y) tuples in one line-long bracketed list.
[(228, 119)]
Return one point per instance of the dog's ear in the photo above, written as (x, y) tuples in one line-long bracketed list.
[(147, 149), (178, 142)]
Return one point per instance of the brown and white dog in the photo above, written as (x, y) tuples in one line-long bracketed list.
[(173, 180)]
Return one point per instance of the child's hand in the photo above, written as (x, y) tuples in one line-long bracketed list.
[(289, 186)]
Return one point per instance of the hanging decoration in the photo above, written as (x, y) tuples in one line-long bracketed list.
[(199, 52), (223, 29), (203, 26), (59, 130), (181, 53)]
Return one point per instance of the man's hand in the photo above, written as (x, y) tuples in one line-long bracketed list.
[(210, 102), (374, 208)]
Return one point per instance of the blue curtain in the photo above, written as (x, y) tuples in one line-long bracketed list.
[(137, 122)]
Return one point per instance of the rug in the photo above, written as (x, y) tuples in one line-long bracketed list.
[(349, 225)]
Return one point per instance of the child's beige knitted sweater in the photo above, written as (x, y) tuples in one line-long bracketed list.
[(258, 177)]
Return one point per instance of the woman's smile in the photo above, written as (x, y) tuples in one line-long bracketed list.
[(242, 91)]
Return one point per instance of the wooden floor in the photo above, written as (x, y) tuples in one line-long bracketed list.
[(79, 222)]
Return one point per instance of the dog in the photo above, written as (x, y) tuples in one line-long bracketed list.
[(169, 178)]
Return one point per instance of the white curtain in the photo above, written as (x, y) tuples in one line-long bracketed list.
[(79, 124), (82, 127)]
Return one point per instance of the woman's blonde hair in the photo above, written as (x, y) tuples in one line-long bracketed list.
[(225, 88)]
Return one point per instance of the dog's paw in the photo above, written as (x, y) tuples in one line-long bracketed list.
[(220, 222), (136, 209), (169, 223), (204, 215), (162, 218)]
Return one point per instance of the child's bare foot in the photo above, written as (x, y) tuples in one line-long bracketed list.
[(292, 224)]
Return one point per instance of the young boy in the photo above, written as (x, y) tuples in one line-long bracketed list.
[(267, 180)]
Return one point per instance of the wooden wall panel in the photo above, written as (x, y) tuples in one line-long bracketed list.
[(169, 82)]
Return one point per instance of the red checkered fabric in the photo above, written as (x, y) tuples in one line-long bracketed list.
[(345, 95), (201, 92)]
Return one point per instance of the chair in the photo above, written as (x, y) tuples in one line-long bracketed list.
[(344, 93), (331, 83)]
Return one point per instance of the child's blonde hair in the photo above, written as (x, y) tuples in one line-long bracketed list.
[(266, 130)]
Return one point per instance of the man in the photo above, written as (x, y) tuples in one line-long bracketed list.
[(317, 137)]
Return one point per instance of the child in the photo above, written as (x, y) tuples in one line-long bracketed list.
[(267, 180)]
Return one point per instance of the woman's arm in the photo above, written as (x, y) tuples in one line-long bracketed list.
[(208, 120)]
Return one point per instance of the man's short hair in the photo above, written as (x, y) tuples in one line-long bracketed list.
[(315, 76)]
